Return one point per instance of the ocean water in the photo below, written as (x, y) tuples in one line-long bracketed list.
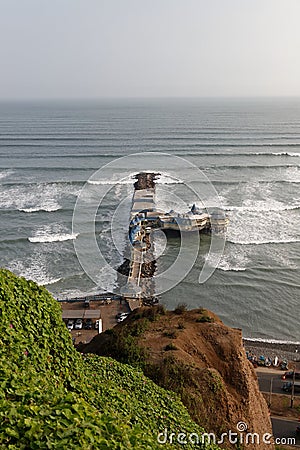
[(249, 150)]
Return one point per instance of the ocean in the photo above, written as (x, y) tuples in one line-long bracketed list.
[(248, 149)]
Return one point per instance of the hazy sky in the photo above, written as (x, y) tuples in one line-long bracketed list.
[(149, 48)]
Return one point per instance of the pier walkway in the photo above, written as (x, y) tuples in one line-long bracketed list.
[(143, 206)]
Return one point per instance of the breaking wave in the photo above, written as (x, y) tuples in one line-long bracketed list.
[(52, 281), (163, 178), (264, 241), (5, 173), (42, 208), (53, 238), (263, 209), (228, 268), (271, 341)]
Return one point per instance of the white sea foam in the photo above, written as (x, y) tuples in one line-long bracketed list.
[(36, 268), (40, 197), (264, 206), (261, 219), (228, 268), (286, 154), (53, 238), (264, 241), (5, 173), (52, 281), (110, 182), (41, 208), (271, 341), (292, 175), (166, 178), (231, 260), (292, 154)]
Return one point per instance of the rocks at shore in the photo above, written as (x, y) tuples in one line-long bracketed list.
[(145, 180), (284, 351)]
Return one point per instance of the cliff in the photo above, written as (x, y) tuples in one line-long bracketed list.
[(52, 397), (194, 354)]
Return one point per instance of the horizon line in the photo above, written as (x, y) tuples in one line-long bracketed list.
[(221, 97)]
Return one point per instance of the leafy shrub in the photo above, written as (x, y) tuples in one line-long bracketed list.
[(204, 318), (170, 334), (181, 308), (151, 313), (181, 325), (171, 346), (214, 380), (109, 331)]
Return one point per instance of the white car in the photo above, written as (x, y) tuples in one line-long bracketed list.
[(70, 324), (78, 324), (123, 317)]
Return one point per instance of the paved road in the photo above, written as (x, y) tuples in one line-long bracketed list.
[(284, 429), (264, 381)]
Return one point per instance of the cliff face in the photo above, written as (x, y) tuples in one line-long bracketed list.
[(194, 354)]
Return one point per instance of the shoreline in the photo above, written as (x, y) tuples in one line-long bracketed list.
[(283, 350)]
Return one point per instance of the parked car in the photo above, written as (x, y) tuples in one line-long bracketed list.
[(122, 317), (78, 324), (88, 324), (122, 314), (287, 387), (97, 324), (290, 374), (70, 324), (86, 303)]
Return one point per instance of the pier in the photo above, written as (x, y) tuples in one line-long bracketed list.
[(139, 288), (145, 217), (139, 268)]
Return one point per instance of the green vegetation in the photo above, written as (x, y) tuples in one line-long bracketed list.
[(151, 313), (204, 318), (181, 308), (51, 397), (181, 325), (170, 346), (170, 334), (214, 381)]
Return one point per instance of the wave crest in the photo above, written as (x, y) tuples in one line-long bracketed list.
[(264, 241), (53, 238), (40, 208)]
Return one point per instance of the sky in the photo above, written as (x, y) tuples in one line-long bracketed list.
[(149, 48)]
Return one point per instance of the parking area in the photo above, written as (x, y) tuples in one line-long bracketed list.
[(85, 321)]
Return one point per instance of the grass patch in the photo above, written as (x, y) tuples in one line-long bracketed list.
[(181, 308), (204, 318), (170, 346), (170, 334), (181, 325)]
